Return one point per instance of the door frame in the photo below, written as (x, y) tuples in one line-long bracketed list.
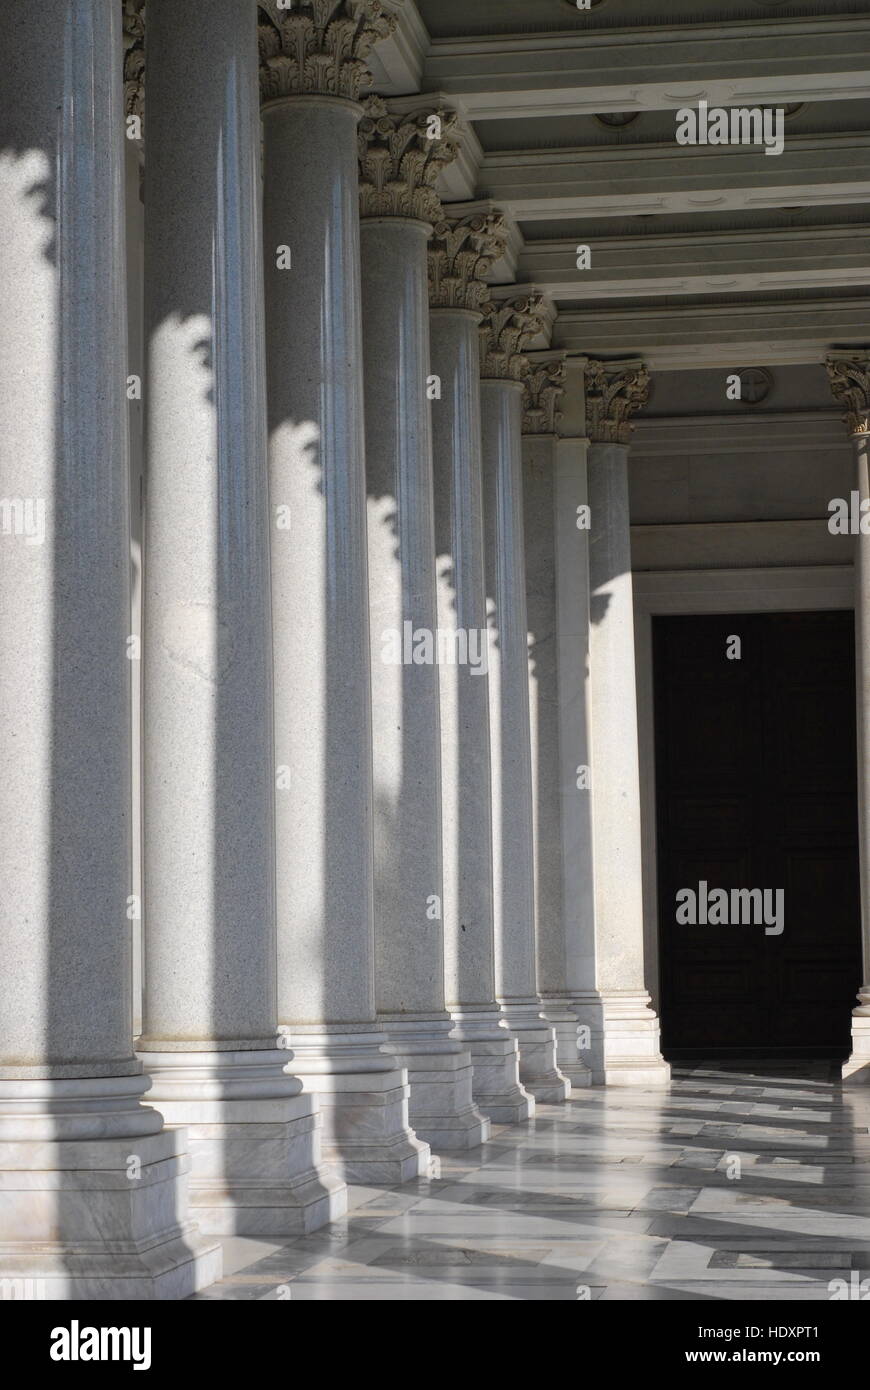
[(686, 593)]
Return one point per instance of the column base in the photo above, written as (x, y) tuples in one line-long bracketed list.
[(441, 1108), (631, 1052), (537, 1043), (571, 1051), (495, 1062), (856, 1071), (589, 1011), (254, 1140), (93, 1194), (363, 1095)]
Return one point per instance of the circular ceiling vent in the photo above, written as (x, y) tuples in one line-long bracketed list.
[(756, 384), (615, 120)]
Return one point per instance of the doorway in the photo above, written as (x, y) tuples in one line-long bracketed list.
[(756, 790)]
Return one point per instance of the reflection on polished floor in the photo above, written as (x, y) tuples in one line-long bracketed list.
[(619, 1194)]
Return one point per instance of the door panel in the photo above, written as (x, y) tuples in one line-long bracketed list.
[(756, 788)]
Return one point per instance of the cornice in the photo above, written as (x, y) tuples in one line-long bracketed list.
[(397, 63)]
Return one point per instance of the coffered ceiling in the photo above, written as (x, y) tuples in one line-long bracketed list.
[(697, 253)]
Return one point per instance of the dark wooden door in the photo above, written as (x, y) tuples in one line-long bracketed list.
[(756, 788)]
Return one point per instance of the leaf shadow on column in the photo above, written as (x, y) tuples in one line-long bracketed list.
[(63, 321), (323, 707), (208, 764)]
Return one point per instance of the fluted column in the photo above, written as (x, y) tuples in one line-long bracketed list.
[(92, 1187), (400, 158), (849, 375), (312, 67), (210, 1015), (463, 249), (554, 477), (507, 326), (614, 391)]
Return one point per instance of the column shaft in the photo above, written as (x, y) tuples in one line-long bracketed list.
[(409, 939), (849, 376), (631, 1032), (465, 746), (76, 1216), (326, 996), (210, 1018), (513, 852), (857, 1068), (572, 642), (555, 561)]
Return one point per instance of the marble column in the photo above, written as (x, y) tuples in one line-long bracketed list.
[(849, 376), (630, 1028), (312, 66), (210, 1011), (400, 158), (93, 1200), (463, 249), (557, 600), (507, 326)]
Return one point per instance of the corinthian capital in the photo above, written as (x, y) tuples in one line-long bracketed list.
[(319, 47), (849, 375), (400, 157), (508, 326), (544, 387), (134, 57), (462, 251), (614, 391)]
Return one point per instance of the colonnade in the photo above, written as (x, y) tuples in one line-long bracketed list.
[(349, 885), (391, 850)]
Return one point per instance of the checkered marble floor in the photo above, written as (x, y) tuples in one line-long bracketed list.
[(741, 1181)]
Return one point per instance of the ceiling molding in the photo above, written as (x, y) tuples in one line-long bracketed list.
[(396, 64), (735, 545), (755, 431), (645, 68), (701, 264), (676, 337), (668, 178)]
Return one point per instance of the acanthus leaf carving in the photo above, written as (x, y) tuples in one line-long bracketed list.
[(544, 386), (508, 326), (319, 47), (134, 57), (614, 391), (849, 377), (400, 159), (461, 253)]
